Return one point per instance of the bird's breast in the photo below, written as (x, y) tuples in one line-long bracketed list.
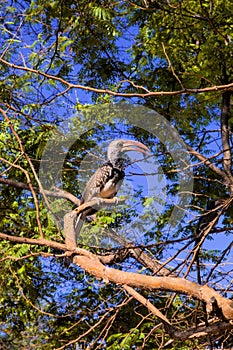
[(104, 183), (110, 188), (113, 178)]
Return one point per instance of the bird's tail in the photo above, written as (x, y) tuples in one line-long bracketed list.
[(197, 258), (79, 224)]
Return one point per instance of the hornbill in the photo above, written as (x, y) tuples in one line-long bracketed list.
[(203, 224), (107, 180)]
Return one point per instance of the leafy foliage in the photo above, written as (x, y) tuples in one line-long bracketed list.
[(57, 60)]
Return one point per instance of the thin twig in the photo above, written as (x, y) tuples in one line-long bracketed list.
[(170, 65)]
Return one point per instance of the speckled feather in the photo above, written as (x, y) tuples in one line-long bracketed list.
[(105, 183)]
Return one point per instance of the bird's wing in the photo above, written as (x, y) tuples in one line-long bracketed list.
[(104, 183), (97, 182), (93, 190)]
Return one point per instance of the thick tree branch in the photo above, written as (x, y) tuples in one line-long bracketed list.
[(93, 265), (175, 284)]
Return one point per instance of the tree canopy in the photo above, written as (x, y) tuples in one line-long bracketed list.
[(76, 75)]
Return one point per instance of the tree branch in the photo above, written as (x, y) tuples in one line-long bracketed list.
[(70, 238), (171, 67), (32, 241), (196, 332), (227, 87), (93, 265), (70, 218), (55, 192), (201, 331), (175, 284), (227, 161), (207, 162), (149, 306), (138, 254)]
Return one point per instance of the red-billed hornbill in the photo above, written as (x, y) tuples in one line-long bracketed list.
[(107, 180)]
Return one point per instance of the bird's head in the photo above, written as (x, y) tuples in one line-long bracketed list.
[(118, 148)]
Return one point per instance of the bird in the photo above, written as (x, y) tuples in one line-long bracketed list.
[(203, 224), (106, 181), (210, 215)]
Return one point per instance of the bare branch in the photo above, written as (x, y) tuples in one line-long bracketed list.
[(92, 264), (148, 304), (227, 87), (227, 161), (70, 251), (138, 254), (196, 332), (170, 65), (207, 162), (201, 331), (70, 218), (70, 238), (55, 192), (32, 241)]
